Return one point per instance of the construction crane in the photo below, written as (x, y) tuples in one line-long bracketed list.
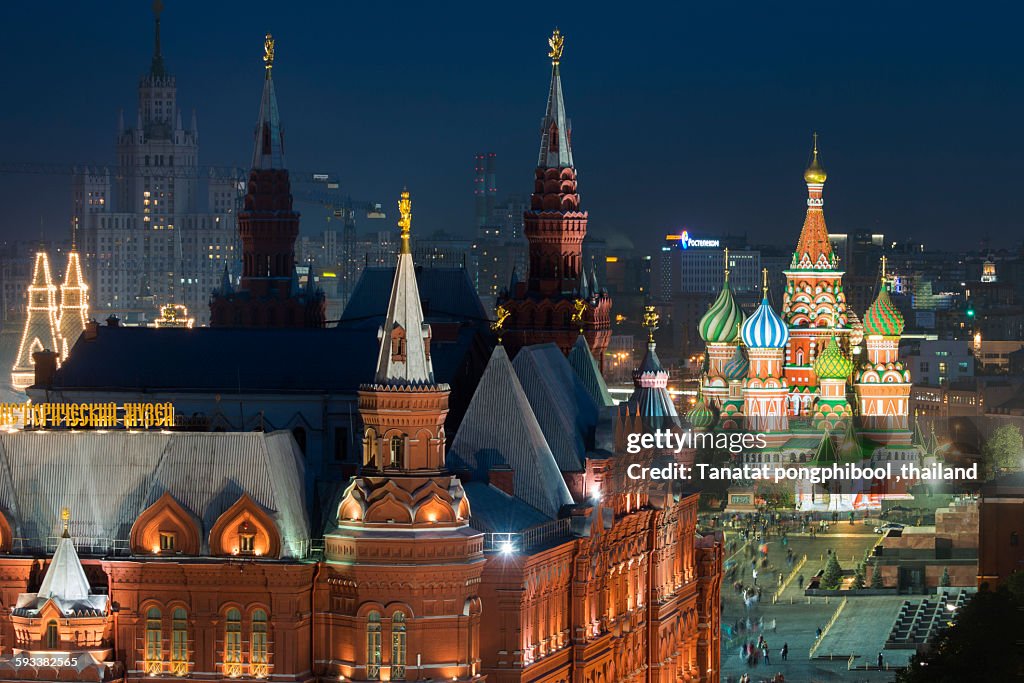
[(327, 193)]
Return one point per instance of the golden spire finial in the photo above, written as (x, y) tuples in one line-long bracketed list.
[(65, 516), (726, 250), (764, 283), (815, 174), (501, 314), (405, 222), (268, 53), (651, 319), (884, 262), (557, 43), (579, 308)]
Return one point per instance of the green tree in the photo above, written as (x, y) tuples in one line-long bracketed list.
[(833, 575), (981, 645), (1004, 450), (876, 578), (944, 581), (858, 578)]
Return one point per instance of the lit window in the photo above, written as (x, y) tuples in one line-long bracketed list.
[(373, 646), (233, 642), (179, 643), (154, 638), (167, 541), (398, 646)]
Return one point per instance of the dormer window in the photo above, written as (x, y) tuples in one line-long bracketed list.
[(398, 349), (168, 541), (246, 539)]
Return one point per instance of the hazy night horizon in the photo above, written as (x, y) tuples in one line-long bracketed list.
[(684, 117)]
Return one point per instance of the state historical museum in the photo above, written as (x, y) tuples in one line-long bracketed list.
[(509, 550)]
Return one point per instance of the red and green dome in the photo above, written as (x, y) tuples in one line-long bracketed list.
[(883, 318), (832, 364), (701, 416)]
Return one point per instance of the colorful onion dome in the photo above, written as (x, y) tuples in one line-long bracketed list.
[(737, 366), (722, 321), (700, 415), (883, 318), (764, 329), (815, 174), (832, 364)]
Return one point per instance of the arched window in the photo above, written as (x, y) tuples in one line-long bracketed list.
[(233, 643), (373, 646), (179, 643), (52, 636), (370, 449), (154, 636), (398, 647), (246, 538), (397, 455), (258, 644)]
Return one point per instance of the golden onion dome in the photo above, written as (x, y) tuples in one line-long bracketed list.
[(815, 174)]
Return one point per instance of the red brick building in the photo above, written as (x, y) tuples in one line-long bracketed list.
[(1001, 528)]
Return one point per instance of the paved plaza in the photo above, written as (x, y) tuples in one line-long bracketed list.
[(859, 631)]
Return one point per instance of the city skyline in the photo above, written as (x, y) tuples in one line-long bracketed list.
[(362, 107)]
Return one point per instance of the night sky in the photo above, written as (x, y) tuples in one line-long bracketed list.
[(694, 114)]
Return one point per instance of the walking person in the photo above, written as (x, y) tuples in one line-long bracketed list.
[(764, 653), (785, 651), (881, 661)]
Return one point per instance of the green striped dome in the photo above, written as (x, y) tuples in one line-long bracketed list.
[(721, 324), (883, 318), (832, 364), (700, 416)]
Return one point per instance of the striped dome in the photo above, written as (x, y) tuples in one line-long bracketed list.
[(700, 416), (737, 366), (832, 364), (883, 318), (722, 321), (764, 329)]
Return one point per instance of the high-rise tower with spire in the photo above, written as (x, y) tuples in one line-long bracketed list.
[(268, 294), (560, 297), (146, 238)]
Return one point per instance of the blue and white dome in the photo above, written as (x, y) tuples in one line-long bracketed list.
[(764, 329)]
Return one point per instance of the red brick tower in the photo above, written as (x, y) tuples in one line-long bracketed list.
[(558, 300), (398, 593), (268, 294)]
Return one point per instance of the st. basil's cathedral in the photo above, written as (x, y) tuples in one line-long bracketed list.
[(823, 386)]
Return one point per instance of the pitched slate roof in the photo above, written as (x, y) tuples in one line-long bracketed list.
[(229, 360), (500, 428), (587, 369), (446, 294), (563, 407), (108, 479), (496, 511)]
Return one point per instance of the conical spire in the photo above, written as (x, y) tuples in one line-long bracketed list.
[(156, 67), (65, 579), (594, 289), (269, 149), (226, 288), (311, 288), (555, 135), (583, 287), (404, 355), (813, 250)]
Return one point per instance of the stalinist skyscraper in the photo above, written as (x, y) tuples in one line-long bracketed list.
[(147, 237)]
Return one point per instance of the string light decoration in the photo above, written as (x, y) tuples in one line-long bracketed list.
[(74, 305), (40, 331)]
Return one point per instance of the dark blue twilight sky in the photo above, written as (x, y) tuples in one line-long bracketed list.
[(695, 114)]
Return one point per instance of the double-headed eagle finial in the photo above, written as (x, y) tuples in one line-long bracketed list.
[(405, 221), (268, 53), (651, 319), (556, 42)]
